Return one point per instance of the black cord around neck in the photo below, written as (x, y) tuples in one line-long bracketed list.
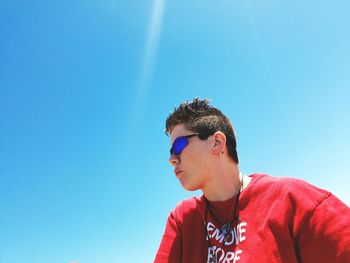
[(228, 228)]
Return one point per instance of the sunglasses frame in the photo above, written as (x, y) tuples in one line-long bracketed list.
[(201, 136)]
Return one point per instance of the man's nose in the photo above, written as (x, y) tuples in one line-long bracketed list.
[(174, 160)]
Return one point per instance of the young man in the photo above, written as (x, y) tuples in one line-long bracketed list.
[(256, 218)]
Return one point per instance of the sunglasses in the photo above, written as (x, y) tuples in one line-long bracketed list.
[(181, 142)]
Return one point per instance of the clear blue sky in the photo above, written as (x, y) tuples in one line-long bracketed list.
[(85, 87)]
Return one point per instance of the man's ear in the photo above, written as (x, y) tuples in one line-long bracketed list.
[(218, 142)]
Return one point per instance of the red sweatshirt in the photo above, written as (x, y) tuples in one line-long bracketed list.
[(281, 220)]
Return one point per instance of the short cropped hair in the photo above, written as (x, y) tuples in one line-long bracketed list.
[(200, 117)]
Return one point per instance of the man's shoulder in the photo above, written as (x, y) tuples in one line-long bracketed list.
[(189, 208), (289, 187), (189, 204), (284, 182)]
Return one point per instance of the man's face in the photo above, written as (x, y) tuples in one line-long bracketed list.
[(191, 166)]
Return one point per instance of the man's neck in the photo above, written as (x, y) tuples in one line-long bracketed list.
[(225, 183)]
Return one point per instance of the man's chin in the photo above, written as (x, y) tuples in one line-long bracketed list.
[(188, 187)]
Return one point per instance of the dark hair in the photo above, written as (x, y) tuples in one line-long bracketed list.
[(199, 116)]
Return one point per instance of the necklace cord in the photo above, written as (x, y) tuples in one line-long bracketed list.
[(207, 209)]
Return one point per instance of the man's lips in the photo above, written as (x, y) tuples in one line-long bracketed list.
[(177, 172)]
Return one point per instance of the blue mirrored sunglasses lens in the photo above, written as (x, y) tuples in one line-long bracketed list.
[(178, 145)]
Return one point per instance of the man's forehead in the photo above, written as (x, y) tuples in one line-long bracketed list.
[(177, 131)]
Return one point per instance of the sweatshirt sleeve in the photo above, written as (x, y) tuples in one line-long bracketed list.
[(325, 233), (170, 249)]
